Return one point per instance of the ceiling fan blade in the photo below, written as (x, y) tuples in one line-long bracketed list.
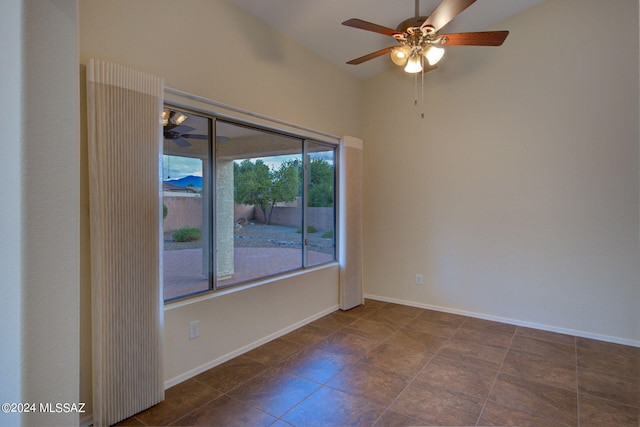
[(445, 12), (485, 38), (182, 142), (364, 25), (182, 129), (369, 56), (192, 136)]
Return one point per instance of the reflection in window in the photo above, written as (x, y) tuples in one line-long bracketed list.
[(269, 211), (320, 203), (185, 205)]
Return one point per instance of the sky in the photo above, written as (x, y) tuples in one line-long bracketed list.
[(176, 167)]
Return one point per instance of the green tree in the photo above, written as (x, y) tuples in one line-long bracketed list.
[(321, 183), (257, 185), (252, 183), (286, 182)]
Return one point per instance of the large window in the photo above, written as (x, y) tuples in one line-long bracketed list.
[(242, 203)]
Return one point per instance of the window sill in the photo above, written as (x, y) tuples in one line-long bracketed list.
[(221, 292)]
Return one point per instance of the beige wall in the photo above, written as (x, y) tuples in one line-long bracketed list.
[(11, 196), (39, 235), (182, 211), (215, 50), (519, 189), (236, 322)]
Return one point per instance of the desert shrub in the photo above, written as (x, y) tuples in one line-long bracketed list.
[(187, 234), (327, 234), (165, 211), (310, 229)]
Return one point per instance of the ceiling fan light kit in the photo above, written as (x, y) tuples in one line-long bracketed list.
[(411, 58), (174, 117), (175, 131)]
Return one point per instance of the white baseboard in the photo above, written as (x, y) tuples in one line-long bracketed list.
[(582, 334), (218, 361), (88, 420)]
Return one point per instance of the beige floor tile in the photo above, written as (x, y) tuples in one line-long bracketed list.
[(316, 364), (614, 359), (308, 335), (179, 401), (438, 406), (348, 344), (527, 396), (274, 391), (560, 353), (471, 352), (417, 340), (274, 351), (595, 412), (229, 375), (610, 387), (376, 385), (369, 329), (331, 408), (552, 337), (400, 360), (463, 377), (544, 370), (495, 414), (226, 412)]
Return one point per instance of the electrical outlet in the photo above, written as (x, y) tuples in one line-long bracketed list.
[(194, 329), (419, 280)]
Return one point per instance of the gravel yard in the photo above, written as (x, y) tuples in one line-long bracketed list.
[(262, 236)]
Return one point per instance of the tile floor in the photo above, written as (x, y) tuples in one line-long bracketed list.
[(385, 364)]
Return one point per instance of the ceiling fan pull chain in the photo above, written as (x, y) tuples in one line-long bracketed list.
[(422, 88), (415, 89)]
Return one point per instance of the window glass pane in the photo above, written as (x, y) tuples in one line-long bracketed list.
[(238, 216), (320, 203), (258, 203), (186, 266)]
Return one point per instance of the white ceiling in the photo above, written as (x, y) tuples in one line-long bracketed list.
[(316, 24)]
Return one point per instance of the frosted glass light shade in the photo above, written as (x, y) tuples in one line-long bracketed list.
[(414, 64), (433, 54), (400, 55), (178, 118)]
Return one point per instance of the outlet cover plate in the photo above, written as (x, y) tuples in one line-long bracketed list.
[(194, 329)]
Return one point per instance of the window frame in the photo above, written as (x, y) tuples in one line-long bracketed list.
[(213, 118)]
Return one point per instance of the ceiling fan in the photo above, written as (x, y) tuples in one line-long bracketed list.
[(419, 37), (175, 131)]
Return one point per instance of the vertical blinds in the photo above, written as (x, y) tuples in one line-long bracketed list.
[(351, 285), (124, 107)]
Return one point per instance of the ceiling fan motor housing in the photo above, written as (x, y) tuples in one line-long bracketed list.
[(416, 21)]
